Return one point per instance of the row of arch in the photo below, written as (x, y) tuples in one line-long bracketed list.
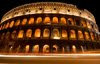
[(48, 20), (46, 49), (54, 34)]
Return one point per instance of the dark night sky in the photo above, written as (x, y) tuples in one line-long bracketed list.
[(91, 5)]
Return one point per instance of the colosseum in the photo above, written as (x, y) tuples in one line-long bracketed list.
[(48, 27)]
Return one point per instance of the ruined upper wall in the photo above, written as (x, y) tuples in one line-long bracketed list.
[(48, 7)]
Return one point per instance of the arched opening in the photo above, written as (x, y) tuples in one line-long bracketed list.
[(35, 48), (72, 34), (87, 36), (39, 20), (64, 33), (83, 23), (7, 25), (47, 20), (73, 48), (46, 49), (17, 23), (89, 25), (68, 49), (11, 24), (63, 49), (10, 48), (77, 22), (92, 36), (2, 36), (0, 27), (46, 33), (21, 34), (37, 33), (24, 21), (95, 36), (7, 35), (56, 34), (29, 33), (31, 21), (27, 48), (3, 26), (82, 48), (13, 35), (55, 48), (18, 49), (55, 20), (63, 20), (80, 35), (70, 21)]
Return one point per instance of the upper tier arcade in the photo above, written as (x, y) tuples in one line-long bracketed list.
[(48, 7)]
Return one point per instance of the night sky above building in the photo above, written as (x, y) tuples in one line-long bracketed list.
[(91, 5)]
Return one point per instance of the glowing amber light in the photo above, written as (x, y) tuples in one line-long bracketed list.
[(87, 36), (83, 23), (46, 33), (29, 33), (7, 25), (88, 25), (37, 33), (54, 28), (24, 21), (39, 20), (64, 33), (21, 34), (55, 20), (27, 48), (45, 48), (56, 34), (74, 48), (80, 35), (72, 34), (31, 21), (11, 24), (63, 20), (36, 48), (47, 20), (17, 22)]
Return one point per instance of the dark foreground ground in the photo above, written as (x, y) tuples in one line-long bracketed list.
[(51, 59), (91, 57)]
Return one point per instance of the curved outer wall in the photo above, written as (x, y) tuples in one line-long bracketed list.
[(48, 27)]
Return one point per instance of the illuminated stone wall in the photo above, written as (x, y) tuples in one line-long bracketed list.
[(48, 27)]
